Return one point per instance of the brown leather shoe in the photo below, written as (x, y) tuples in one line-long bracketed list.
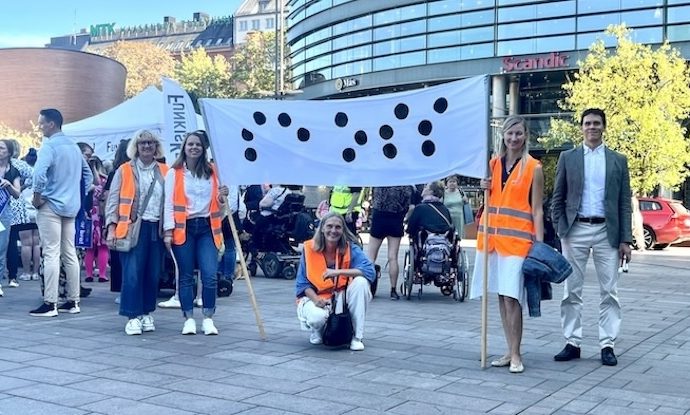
[(569, 352)]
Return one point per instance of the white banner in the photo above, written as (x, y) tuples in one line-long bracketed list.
[(385, 140), (179, 117)]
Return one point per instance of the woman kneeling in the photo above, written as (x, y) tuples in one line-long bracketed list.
[(333, 253)]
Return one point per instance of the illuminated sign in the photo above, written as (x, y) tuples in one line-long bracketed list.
[(343, 83), (102, 29), (551, 61)]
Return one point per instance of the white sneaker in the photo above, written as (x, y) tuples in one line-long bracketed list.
[(24, 277), (34, 277), (189, 326), (208, 326), (356, 345), (147, 323), (199, 303), (117, 300), (1, 293), (173, 302), (315, 337), (13, 284), (133, 327)]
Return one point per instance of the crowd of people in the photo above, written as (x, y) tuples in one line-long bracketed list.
[(140, 210)]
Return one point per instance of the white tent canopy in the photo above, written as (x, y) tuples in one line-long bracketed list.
[(105, 130)]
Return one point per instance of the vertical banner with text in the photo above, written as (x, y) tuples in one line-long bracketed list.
[(179, 117)]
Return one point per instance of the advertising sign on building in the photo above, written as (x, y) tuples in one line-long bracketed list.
[(553, 60)]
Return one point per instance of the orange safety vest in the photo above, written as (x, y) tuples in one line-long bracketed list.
[(127, 191), (316, 266), (511, 228), (180, 210)]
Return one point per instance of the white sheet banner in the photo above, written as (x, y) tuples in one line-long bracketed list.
[(179, 117), (385, 140)]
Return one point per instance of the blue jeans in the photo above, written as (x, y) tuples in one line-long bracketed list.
[(198, 249), (6, 219), (141, 268), (226, 267)]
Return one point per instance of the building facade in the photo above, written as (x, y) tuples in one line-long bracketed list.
[(258, 16), (347, 48), (79, 84)]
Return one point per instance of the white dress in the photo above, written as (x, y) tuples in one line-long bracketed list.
[(505, 276)]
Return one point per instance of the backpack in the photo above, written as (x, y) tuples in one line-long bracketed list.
[(303, 229), (436, 259)]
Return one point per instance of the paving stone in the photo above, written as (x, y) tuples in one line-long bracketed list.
[(261, 384), (118, 406), (45, 375), (199, 404), (354, 399), (23, 406), (183, 371), (298, 404), (70, 365), (59, 395), (215, 389), (116, 388)]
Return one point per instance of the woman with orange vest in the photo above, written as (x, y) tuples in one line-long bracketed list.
[(192, 222), (516, 187), (333, 254), (141, 266)]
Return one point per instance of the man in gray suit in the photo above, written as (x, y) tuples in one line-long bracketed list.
[(591, 210)]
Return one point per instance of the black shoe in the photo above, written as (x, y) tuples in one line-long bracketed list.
[(394, 295), (608, 358), (45, 310), (88, 279), (569, 352), (71, 307)]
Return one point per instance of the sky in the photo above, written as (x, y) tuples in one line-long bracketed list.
[(31, 23)]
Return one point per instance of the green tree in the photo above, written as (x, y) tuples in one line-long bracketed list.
[(253, 66), (645, 93), (204, 76), (26, 139), (146, 63)]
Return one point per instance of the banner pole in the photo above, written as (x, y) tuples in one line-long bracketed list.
[(485, 258), (238, 248)]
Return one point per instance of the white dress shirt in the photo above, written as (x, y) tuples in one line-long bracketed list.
[(594, 187), (147, 177), (198, 193)]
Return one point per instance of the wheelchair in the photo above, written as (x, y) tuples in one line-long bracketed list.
[(275, 238), (436, 259)]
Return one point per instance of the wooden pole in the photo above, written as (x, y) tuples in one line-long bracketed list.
[(245, 276), (485, 281)]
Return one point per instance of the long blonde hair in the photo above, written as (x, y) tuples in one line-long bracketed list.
[(320, 240), (509, 123)]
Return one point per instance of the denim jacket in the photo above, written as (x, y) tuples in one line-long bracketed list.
[(543, 264)]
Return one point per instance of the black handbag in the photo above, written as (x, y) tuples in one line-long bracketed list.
[(338, 329)]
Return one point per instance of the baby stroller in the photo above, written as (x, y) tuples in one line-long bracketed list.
[(436, 259), (274, 241)]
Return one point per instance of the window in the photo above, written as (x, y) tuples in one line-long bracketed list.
[(444, 6), (597, 22), (584, 41), (648, 35), (415, 11), (399, 61), (482, 50), (477, 34), (642, 17), (399, 30), (678, 33), (444, 23), (352, 40), (399, 45), (317, 63), (243, 26), (636, 4), (444, 39), (319, 49), (352, 25), (483, 17), (256, 24), (554, 43), (678, 14), (444, 55), (270, 23), (537, 11), (354, 68), (352, 54), (516, 47), (593, 6)]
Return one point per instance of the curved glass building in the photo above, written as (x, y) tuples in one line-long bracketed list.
[(345, 48)]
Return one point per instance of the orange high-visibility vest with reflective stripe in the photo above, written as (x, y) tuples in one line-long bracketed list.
[(316, 266), (127, 191), (511, 228), (180, 210)]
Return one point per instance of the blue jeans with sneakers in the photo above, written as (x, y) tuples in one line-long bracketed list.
[(141, 268), (198, 251)]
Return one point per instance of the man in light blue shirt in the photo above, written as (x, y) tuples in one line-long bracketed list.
[(58, 173)]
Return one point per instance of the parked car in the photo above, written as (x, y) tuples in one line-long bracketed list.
[(666, 222)]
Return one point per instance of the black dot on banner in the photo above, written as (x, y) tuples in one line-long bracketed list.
[(259, 118), (303, 134), (247, 135), (250, 154), (425, 127), (341, 119), (428, 148), (284, 120), (401, 111), (349, 154), (441, 105), (361, 137), (390, 151), (386, 132)]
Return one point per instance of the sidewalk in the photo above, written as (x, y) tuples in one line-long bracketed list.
[(421, 357)]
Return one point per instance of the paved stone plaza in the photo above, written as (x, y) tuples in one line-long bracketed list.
[(421, 357)]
